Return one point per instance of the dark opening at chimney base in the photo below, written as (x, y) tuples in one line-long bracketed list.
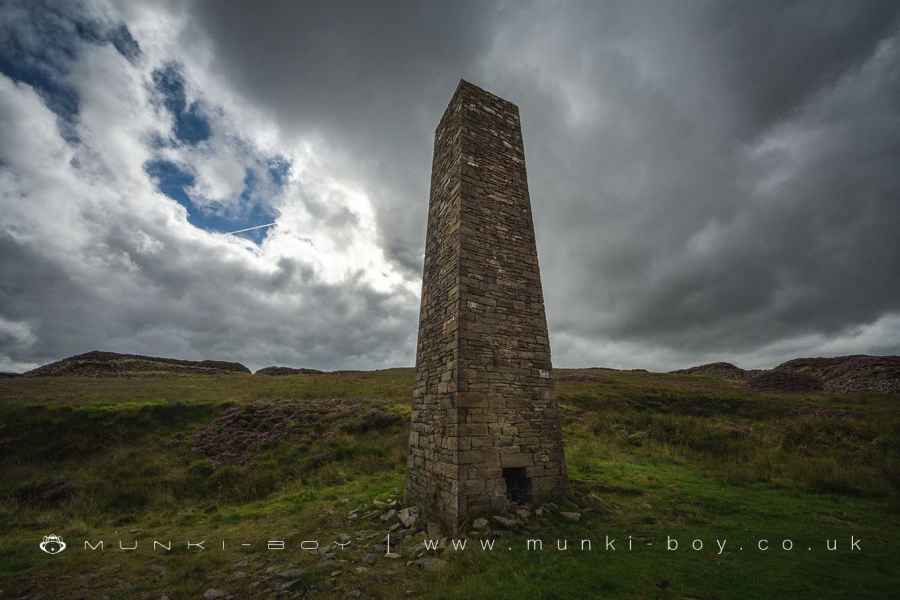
[(518, 486)]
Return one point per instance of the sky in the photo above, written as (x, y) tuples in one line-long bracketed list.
[(709, 180)]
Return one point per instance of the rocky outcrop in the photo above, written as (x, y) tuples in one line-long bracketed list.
[(785, 381), (112, 364), (719, 370), (841, 374), (277, 371), (857, 373)]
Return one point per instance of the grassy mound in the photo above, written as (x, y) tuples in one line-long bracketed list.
[(112, 364)]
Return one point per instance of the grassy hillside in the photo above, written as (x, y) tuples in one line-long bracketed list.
[(301, 457)]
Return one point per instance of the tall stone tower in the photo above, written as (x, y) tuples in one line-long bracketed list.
[(485, 422)]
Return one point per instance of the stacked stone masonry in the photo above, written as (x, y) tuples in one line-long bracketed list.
[(485, 423)]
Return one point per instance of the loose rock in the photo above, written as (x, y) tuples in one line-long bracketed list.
[(507, 522), (389, 515), (408, 516)]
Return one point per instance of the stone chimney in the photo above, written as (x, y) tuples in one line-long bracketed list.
[(485, 423)]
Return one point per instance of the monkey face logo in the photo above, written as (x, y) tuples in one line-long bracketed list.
[(52, 544)]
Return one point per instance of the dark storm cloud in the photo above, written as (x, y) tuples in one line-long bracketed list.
[(710, 180), (775, 57)]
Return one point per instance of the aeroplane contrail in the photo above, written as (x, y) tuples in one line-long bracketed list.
[(249, 229)]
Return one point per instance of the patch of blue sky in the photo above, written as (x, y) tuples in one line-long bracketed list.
[(191, 126), (119, 36), (42, 74), (251, 210), (172, 180), (39, 50)]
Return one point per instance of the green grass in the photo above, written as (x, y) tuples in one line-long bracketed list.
[(649, 456)]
